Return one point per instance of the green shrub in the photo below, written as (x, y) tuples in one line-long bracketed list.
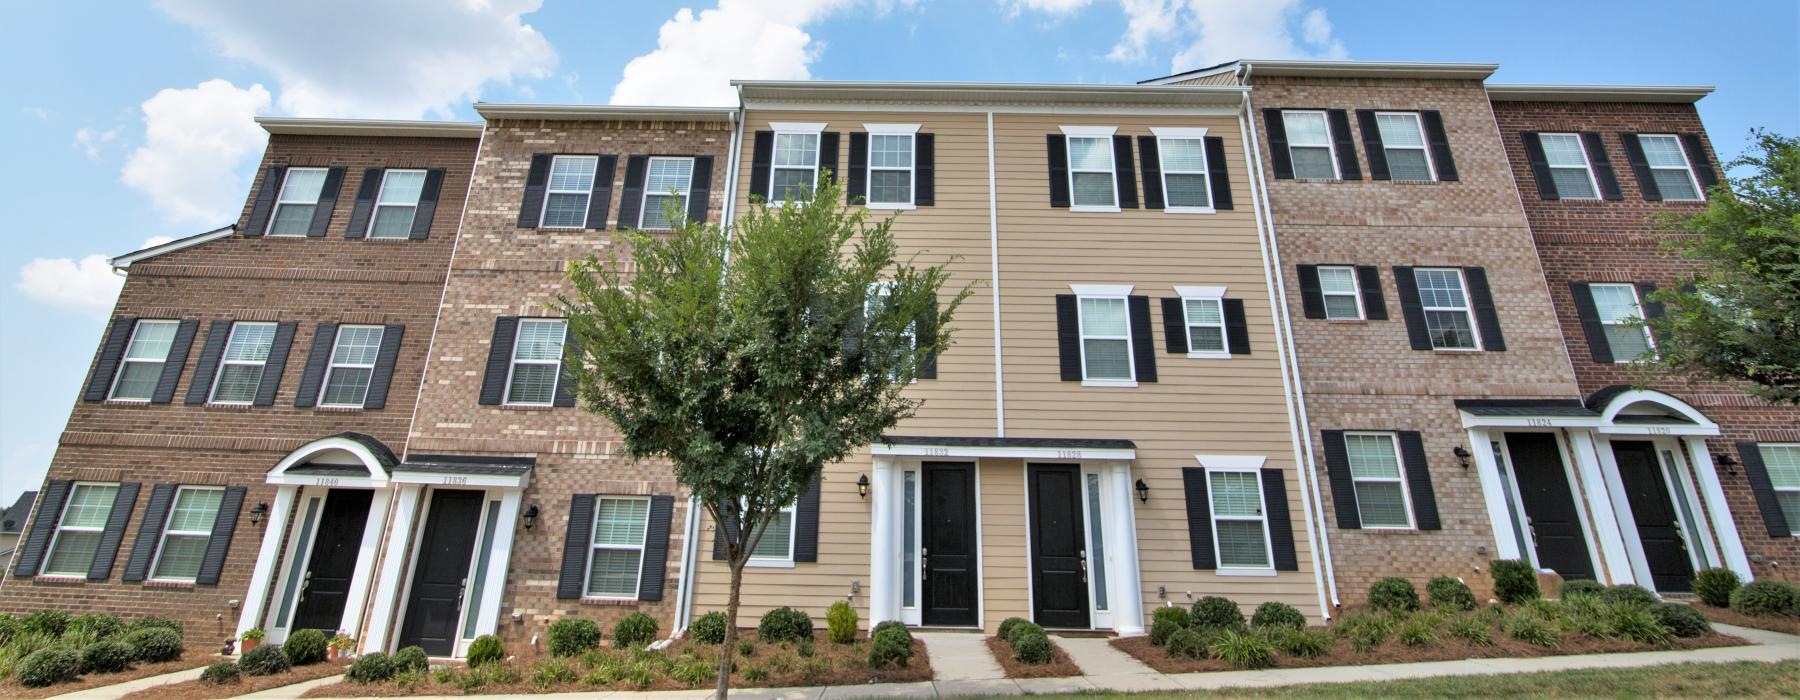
[(1023, 629), (840, 622), (10, 627), (106, 656), (1393, 594), (1630, 593), (486, 649), (746, 648), (1473, 630), (806, 649), (1682, 620), (1576, 588), (884, 625), (96, 627), (708, 628), (1243, 649), (373, 667), (1277, 615), (784, 625), (693, 670), (222, 673), (1636, 623), (1010, 625), (48, 666), (1216, 613), (1449, 593), (572, 635), (1417, 631), (1180, 616), (152, 621), (1714, 586), (406, 680), (1514, 580), (1369, 631), (1763, 598), (1186, 642), (411, 659), (549, 673), (1160, 629), (1032, 647), (1303, 644), (305, 647), (46, 622), (637, 629), (1532, 629), (155, 644), (891, 647), (264, 660)]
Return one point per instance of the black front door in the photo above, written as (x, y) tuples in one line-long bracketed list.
[(441, 572), (1549, 506), (326, 586), (1657, 524), (1058, 547), (949, 545)]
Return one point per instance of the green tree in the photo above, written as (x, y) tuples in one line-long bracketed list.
[(1739, 319), (749, 358)]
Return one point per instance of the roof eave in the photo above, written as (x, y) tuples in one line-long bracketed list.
[(369, 127), (603, 112), (779, 91), (1341, 69), (122, 262), (1674, 94)]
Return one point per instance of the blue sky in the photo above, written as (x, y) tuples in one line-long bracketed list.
[(129, 123)]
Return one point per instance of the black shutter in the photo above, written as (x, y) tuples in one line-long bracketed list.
[(565, 384), (806, 524), (576, 540), (1068, 337), (1411, 309), (383, 374), (656, 548), (632, 201), (1057, 149), (531, 208), (1540, 165), (499, 360), (1372, 148), (265, 200), (762, 154), (175, 363), (43, 525), (1640, 167), (828, 156), (1602, 164), (1439, 141), (200, 387), (108, 550), (1312, 296), (1760, 487), (219, 544), (856, 182), (1699, 160), (1589, 315), (1218, 173), (1143, 346), (364, 206), (927, 336), (721, 531), (428, 201), (1175, 325), (700, 189), (1418, 481), (600, 197), (1343, 486), (1279, 155), (1652, 310), (328, 194), (1344, 144), (99, 383), (317, 358), (1150, 164), (277, 362), (1281, 524), (925, 170), (149, 534), (1368, 281), (1199, 518), (1123, 174), (1487, 316), (1237, 330)]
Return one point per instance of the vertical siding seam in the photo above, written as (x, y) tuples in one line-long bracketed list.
[(994, 283)]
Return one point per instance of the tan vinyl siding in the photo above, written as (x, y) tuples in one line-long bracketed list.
[(1005, 570)]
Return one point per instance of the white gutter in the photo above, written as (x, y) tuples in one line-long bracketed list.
[(994, 283)]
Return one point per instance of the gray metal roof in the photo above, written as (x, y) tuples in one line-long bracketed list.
[(469, 464), (1557, 408), (1051, 443)]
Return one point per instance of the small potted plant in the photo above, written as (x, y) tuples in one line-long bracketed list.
[(341, 645), (251, 637)]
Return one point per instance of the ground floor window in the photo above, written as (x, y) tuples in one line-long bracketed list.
[(79, 530), (1783, 464), (618, 547), (187, 534), (1241, 534)]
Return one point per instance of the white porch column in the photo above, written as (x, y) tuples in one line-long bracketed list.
[(362, 575), (1122, 547), (1731, 547), (884, 542), (1597, 491), (1493, 493), (494, 581), (393, 569), (264, 575)]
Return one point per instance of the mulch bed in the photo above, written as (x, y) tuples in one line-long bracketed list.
[(1772, 623), (196, 690), (1058, 666), (193, 657), (1444, 649)]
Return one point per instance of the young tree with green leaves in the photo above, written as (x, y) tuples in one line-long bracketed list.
[(750, 358)]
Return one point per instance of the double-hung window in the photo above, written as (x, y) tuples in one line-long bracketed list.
[(666, 185), (241, 367), (1782, 462), (1403, 141), (571, 186), (1106, 340), (777, 543), (1204, 320), (616, 563), (878, 297), (891, 165), (1569, 167), (142, 365), (1091, 178), (536, 362), (794, 169), (1241, 530), (1182, 152), (352, 366), (1343, 301), (1669, 167), (187, 533), (1309, 145), (295, 204), (1446, 305), (1380, 487), (397, 203), (1621, 317), (79, 528)]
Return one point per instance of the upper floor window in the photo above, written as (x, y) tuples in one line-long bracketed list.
[(1237, 509), (1782, 462), (1569, 166), (298, 198), (890, 169), (1337, 285), (1380, 487), (1182, 154), (145, 354), (666, 185), (571, 186), (1205, 325), (1621, 317), (536, 362), (1669, 167), (1091, 174), (352, 366), (1403, 142), (397, 203), (616, 561), (795, 165), (241, 367), (1446, 304), (1309, 145), (187, 533), (1105, 339), (79, 528)]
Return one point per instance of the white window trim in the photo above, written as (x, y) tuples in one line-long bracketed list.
[(124, 359), (1587, 165), (1337, 172), (1356, 291), (56, 536), (1468, 309), (1104, 292), (212, 397), (544, 208), (1221, 569), (1638, 303), (163, 541), (513, 363), (1779, 489), (644, 201), (1424, 141), (376, 213), (1687, 166), (269, 226), (794, 129), (1208, 293), (637, 582), (1105, 134), (332, 365), (793, 512), (911, 132), (1169, 133), (883, 289), (1412, 522)]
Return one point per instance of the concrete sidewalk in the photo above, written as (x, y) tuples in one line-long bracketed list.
[(120, 689)]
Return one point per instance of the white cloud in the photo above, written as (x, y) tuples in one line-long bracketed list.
[(1050, 7), (1146, 21), (392, 59), (1205, 32), (89, 141), (697, 56), (87, 285), (195, 141), (42, 115)]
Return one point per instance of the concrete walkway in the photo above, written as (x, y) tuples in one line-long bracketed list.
[(292, 691), (121, 689)]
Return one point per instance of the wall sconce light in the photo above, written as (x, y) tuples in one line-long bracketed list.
[(1730, 464), (862, 486), (257, 512), (1462, 456), (531, 515), (1143, 490)]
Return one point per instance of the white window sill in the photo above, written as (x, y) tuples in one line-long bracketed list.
[(1094, 209), (562, 228), (388, 238), (127, 402), (1457, 351), (608, 600), (1388, 528), (285, 235), (1222, 571), (1347, 320), (61, 578), (340, 409), (1209, 354), (770, 564), (228, 404), (169, 583), (1189, 210), (528, 406), (891, 206), (1125, 383)]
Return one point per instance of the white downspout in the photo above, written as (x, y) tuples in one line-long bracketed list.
[(994, 283)]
